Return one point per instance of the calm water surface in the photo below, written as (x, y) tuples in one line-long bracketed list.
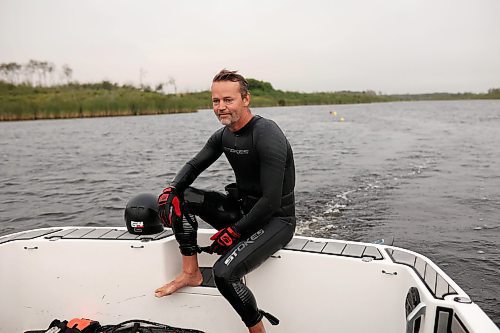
[(425, 174)]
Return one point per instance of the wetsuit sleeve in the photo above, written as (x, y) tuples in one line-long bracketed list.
[(192, 169), (271, 147)]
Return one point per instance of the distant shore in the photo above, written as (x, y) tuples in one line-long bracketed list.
[(106, 99)]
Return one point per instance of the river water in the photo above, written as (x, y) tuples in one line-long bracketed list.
[(423, 174)]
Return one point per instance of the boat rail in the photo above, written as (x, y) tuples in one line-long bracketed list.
[(433, 280)]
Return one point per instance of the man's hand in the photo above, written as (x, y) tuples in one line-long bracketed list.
[(169, 207), (224, 239)]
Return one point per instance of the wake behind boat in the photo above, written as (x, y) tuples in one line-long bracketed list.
[(109, 275)]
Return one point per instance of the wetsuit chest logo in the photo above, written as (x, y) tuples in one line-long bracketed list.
[(237, 151)]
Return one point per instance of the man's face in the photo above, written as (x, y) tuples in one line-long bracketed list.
[(227, 102)]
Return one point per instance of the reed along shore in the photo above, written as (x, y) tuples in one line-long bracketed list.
[(105, 99), (24, 102)]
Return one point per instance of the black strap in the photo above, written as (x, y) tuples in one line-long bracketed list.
[(206, 249), (272, 319), (144, 326)]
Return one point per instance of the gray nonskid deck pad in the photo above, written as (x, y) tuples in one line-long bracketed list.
[(208, 277), (106, 234), (334, 248), (84, 233), (27, 235)]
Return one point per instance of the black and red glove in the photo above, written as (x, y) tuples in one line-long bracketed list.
[(169, 207), (224, 239)]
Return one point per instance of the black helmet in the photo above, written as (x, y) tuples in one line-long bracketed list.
[(141, 215)]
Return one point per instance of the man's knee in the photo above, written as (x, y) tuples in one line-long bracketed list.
[(215, 208), (194, 199)]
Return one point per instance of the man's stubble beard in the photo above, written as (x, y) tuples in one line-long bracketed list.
[(232, 119)]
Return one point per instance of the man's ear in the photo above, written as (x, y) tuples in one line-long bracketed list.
[(246, 100)]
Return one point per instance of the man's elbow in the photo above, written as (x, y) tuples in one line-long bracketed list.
[(273, 205)]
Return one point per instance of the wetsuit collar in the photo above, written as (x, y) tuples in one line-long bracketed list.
[(248, 125)]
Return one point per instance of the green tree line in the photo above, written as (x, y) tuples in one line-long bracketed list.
[(28, 93), (26, 102)]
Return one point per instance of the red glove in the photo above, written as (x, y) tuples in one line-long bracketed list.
[(224, 239), (169, 207)]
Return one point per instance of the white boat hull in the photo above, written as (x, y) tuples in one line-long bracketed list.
[(315, 285)]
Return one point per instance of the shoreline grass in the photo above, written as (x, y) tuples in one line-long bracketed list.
[(106, 99)]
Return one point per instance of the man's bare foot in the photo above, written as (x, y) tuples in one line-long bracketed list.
[(183, 280)]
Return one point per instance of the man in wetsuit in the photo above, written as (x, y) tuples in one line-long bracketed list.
[(254, 219)]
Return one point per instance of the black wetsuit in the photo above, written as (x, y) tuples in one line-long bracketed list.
[(260, 206)]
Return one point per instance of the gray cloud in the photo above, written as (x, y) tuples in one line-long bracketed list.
[(393, 46)]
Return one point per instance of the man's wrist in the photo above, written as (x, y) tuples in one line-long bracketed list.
[(233, 231)]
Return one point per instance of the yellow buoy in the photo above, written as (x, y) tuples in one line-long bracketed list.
[(341, 118)]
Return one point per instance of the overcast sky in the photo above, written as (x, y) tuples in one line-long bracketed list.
[(391, 46)]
